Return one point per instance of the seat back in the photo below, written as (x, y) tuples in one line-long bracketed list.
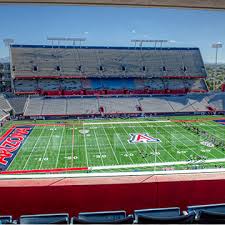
[(207, 217), (160, 212), (61, 218), (5, 219), (183, 219), (104, 216), (220, 208)]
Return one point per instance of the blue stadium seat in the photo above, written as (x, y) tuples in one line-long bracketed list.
[(118, 84), (96, 84), (103, 217), (217, 208), (182, 219), (209, 214), (6, 220), (61, 218), (160, 212), (161, 215)]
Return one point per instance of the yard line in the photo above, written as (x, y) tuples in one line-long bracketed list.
[(137, 147), (214, 149), (214, 133), (37, 140), (173, 146), (183, 143), (163, 148), (123, 146), (85, 147), (111, 146), (60, 145), (193, 142), (98, 148), (72, 145), (46, 148)]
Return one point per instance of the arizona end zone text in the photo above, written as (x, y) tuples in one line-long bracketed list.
[(10, 144)]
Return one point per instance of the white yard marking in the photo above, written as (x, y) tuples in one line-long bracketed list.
[(46, 148), (214, 133), (33, 149), (111, 146), (137, 146), (193, 142), (182, 142), (162, 147), (122, 144), (60, 145), (173, 146), (85, 147), (99, 150), (72, 144)]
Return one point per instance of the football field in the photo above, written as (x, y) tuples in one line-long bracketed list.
[(113, 145)]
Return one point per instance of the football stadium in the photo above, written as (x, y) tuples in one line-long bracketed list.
[(111, 134), (113, 110)]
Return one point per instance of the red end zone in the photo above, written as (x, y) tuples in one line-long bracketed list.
[(11, 144)]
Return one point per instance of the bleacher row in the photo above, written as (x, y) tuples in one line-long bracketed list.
[(29, 106), (53, 61), (44, 106), (200, 214), (109, 84), (5, 107)]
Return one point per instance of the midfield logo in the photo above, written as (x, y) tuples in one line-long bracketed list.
[(142, 138)]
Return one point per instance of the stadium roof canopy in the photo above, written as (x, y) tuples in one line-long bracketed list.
[(198, 4)]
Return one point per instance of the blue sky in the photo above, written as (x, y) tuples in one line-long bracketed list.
[(113, 26)]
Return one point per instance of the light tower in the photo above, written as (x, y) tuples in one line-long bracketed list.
[(216, 46), (8, 41)]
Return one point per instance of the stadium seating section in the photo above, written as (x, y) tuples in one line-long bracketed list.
[(17, 104), (112, 86), (101, 81), (69, 70), (46, 106), (109, 105), (53, 61), (208, 214)]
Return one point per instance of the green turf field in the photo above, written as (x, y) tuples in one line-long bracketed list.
[(104, 145)]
